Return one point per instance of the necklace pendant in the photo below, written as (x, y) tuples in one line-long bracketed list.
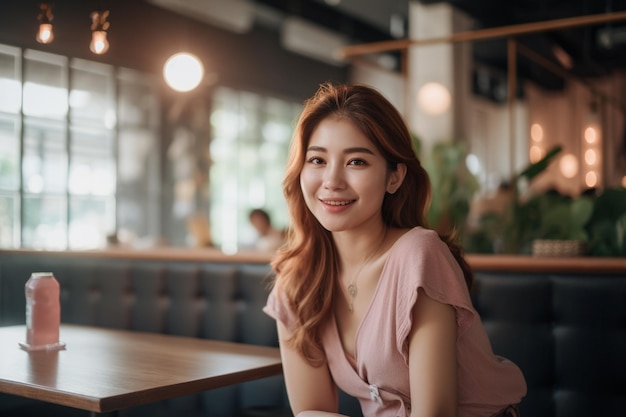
[(352, 290)]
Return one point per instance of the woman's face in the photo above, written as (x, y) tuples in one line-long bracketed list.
[(344, 177)]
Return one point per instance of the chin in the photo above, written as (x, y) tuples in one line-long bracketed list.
[(333, 227)]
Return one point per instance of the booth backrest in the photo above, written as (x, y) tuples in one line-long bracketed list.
[(568, 335), (220, 301), (566, 332)]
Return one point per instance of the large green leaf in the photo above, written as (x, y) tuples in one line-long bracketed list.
[(538, 167), (610, 204)]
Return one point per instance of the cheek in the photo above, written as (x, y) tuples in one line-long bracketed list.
[(305, 187), (377, 191), (307, 182), (377, 186), (303, 181)]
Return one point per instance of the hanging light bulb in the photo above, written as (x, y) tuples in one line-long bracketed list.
[(45, 33), (99, 25), (99, 43)]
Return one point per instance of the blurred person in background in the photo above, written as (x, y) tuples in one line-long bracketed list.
[(269, 238)]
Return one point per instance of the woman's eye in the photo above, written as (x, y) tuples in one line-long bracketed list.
[(357, 162), (315, 160)]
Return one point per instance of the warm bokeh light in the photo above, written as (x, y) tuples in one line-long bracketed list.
[(183, 72), (535, 153), (590, 156), (624, 181), (434, 98), (591, 135), (568, 165), (45, 33), (99, 43), (591, 179), (536, 132)]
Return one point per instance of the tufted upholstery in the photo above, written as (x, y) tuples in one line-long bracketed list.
[(219, 301), (568, 335), (566, 332)]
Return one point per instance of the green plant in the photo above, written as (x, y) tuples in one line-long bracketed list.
[(522, 220), (453, 186), (563, 217), (607, 224), (598, 221)]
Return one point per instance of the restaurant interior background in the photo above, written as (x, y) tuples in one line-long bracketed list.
[(92, 144)]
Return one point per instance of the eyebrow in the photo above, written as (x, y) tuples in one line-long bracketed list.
[(345, 151)]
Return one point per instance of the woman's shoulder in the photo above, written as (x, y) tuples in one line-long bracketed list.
[(420, 248), (414, 238), (422, 254)]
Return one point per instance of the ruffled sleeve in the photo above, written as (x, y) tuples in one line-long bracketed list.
[(424, 261), (277, 308)]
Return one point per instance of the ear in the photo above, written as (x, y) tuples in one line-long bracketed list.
[(396, 178)]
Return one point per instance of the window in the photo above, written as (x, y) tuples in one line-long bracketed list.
[(44, 179), (81, 157), (10, 147), (138, 156), (59, 152), (249, 147)]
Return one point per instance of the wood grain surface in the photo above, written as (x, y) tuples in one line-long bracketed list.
[(104, 370)]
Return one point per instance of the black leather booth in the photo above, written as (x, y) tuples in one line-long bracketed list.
[(568, 335), (566, 332)]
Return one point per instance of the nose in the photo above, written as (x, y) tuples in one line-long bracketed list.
[(333, 177)]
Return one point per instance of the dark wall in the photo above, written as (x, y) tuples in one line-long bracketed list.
[(143, 36)]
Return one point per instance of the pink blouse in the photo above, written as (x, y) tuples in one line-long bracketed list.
[(378, 375)]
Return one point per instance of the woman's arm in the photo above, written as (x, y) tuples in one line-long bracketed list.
[(432, 359), (310, 389)]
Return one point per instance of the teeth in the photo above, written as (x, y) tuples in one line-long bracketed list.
[(338, 203)]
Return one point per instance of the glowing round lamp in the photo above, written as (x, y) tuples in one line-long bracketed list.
[(183, 72), (536, 132), (591, 179), (568, 165), (434, 98), (590, 135), (535, 153)]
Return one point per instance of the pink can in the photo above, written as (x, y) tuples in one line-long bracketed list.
[(43, 312)]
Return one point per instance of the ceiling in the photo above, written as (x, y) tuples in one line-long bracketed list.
[(593, 50)]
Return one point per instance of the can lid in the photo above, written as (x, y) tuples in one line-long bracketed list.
[(41, 274)]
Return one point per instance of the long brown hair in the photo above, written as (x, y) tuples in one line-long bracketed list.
[(307, 266)]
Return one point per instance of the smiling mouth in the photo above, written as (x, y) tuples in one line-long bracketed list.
[(338, 202)]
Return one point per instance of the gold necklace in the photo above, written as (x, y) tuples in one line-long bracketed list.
[(352, 287)]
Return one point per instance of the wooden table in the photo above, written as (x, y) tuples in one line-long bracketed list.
[(105, 370)]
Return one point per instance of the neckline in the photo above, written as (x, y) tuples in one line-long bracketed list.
[(353, 359)]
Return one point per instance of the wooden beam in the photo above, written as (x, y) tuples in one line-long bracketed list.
[(557, 70), (483, 34), (512, 97)]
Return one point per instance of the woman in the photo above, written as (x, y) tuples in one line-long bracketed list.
[(367, 298)]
